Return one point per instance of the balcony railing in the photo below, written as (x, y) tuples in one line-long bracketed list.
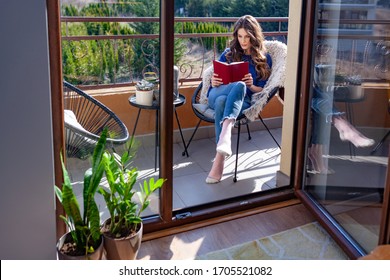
[(197, 57), (360, 50)]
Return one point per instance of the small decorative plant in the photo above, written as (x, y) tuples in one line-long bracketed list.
[(144, 85), (345, 80), (84, 228), (354, 80), (144, 92)]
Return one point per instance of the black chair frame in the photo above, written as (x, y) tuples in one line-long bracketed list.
[(93, 116), (241, 120)]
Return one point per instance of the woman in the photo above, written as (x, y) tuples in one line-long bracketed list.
[(228, 101), (324, 113)]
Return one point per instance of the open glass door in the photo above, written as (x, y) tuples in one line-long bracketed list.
[(346, 102)]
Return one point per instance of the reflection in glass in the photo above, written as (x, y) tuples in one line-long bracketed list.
[(346, 153)]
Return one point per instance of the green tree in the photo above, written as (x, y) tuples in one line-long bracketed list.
[(195, 8)]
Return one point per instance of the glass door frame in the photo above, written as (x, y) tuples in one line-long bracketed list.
[(304, 85), (168, 219)]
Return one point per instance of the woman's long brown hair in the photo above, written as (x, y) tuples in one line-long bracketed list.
[(257, 51)]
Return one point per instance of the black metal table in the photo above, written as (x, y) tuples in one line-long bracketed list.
[(181, 100)]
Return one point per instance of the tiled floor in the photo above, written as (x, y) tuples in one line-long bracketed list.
[(307, 242), (259, 160), (258, 163)]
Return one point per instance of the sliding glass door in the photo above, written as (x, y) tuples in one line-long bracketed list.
[(346, 118)]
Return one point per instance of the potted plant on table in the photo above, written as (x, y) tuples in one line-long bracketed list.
[(84, 240), (348, 87), (354, 83), (122, 231), (144, 92), (152, 77)]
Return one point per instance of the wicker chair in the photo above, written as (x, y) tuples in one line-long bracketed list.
[(85, 118), (274, 87)]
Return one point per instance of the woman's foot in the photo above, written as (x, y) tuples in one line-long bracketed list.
[(318, 164), (225, 148), (348, 133), (211, 180), (216, 171), (224, 145)]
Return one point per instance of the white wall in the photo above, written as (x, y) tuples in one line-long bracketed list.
[(294, 27), (27, 214)]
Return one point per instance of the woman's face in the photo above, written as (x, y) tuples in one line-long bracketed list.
[(244, 40)]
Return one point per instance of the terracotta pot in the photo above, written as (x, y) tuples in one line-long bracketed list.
[(67, 237), (125, 248)]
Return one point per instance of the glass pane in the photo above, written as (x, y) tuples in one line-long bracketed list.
[(258, 153), (107, 48), (347, 149)]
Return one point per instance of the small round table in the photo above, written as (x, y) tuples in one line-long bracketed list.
[(181, 100)]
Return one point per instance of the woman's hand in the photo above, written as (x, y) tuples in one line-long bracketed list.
[(248, 80), (215, 81)]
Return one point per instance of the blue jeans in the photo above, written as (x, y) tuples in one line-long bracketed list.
[(323, 110), (228, 102)]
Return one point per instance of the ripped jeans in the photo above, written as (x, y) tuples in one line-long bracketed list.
[(323, 111), (228, 102)]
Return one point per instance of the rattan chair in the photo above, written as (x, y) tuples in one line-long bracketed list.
[(85, 118), (274, 86)]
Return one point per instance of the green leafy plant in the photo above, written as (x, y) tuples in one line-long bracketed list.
[(354, 80), (343, 79), (85, 229), (144, 85), (125, 213)]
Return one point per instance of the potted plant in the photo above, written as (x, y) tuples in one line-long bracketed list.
[(354, 84), (122, 231), (348, 87), (144, 92), (84, 239), (152, 77)]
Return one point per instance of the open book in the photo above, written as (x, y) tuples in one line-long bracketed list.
[(232, 72)]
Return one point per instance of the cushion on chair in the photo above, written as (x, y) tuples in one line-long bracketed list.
[(71, 121), (206, 83), (205, 110)]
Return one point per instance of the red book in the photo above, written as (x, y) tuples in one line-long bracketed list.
[(232, 72)]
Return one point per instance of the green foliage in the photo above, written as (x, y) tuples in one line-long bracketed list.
[(125, 215), (85, 229), (208, 27), (144, 85), (109, 61)]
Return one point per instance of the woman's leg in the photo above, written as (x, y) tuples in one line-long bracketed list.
[(227, 102), (216, 171), (322, 112), (316, 157), (219, 108), (224, 145), (235, 104)]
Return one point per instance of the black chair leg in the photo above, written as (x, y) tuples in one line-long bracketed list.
[(270, 133), (189, 142), (181, 135), (380, 143), (238, 145), (249, 132)]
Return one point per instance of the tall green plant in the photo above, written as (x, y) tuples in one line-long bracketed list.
[(125, 213), (85, 229)]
